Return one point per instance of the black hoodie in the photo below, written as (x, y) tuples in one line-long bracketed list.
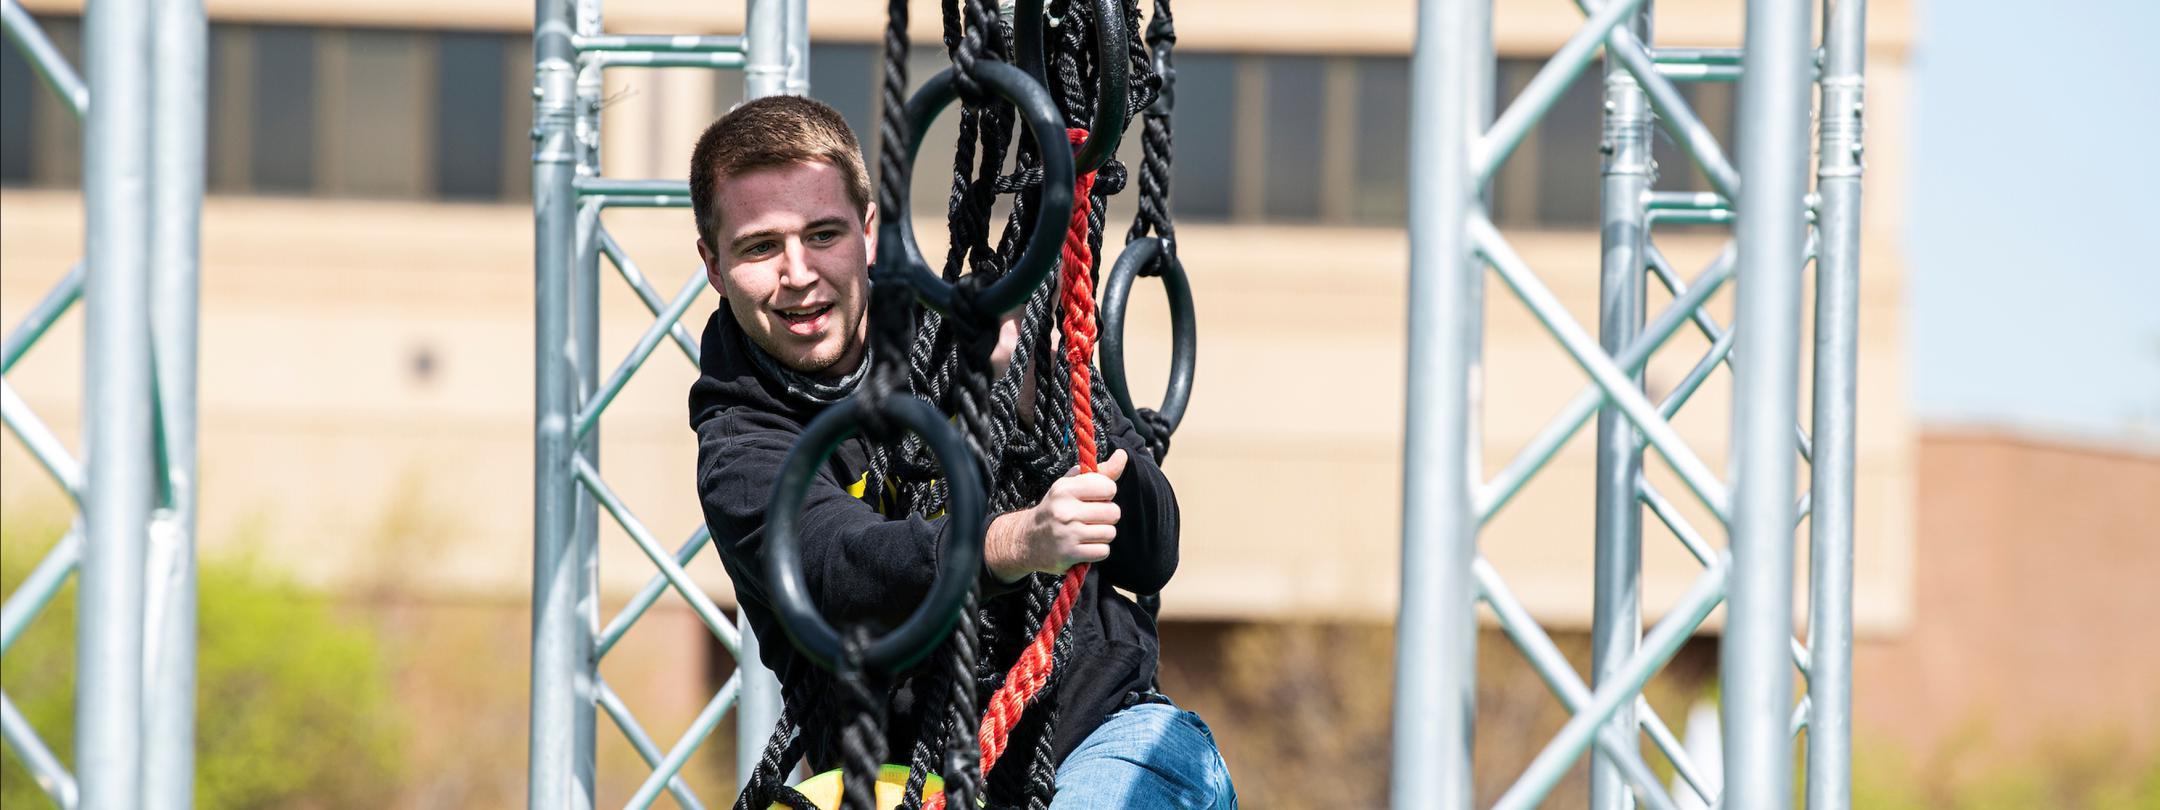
[(862, 566)]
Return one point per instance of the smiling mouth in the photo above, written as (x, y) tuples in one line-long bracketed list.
[(803, 318)]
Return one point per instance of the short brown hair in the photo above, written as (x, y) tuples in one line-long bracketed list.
[(773, 131)]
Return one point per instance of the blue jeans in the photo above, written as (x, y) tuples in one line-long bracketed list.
[(1145, 757)]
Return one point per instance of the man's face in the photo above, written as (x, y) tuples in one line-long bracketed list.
[(793, 263)]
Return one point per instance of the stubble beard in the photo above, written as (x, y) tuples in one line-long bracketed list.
[(820, 359)]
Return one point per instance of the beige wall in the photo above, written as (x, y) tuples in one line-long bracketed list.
[(321, 432)]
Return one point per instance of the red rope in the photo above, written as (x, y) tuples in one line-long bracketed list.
[(1025, 682)]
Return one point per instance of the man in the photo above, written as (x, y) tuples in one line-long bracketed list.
[(786, 228)]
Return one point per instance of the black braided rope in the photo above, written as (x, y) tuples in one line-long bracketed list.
[(1153, 214), (892, 109), (919, 766), (963, 754), (1154, 203), (862, 739), (764, 787), (1023, 442)]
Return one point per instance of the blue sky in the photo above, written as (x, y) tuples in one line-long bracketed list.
[(2034, 232)]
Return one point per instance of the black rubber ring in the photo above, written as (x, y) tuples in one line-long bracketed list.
[(1184, 331), (1114, 74), (959, 555), (897, 248)]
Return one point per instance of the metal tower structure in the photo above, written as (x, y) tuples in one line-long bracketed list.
[(133, 540), (571, 50), (1780, 224)]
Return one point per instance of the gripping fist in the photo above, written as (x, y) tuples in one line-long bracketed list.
[(1073, 524)]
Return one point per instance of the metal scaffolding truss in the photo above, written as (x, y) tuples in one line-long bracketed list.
[(571, 50), (1780, 225), (133, 540)]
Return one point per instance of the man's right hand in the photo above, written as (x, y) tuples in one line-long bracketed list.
[(1074, 523)]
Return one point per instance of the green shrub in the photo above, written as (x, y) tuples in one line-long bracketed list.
[(293, 702), (2059, 773)]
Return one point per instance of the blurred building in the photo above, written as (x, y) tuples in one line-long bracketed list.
[(367, 293), (367, 339)]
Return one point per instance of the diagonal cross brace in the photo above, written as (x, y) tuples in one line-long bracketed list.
[(1696, 376), (1661, 269), (688, 743), (1537, 98), (699, 602), (646, 749), (1553, 668), (636, 279), (1599, 365), (43, 445), (647, 595), (41, 317), (37, 589), (38, 50), (1578, 410), (668, 320), (1681, 528), (51, 776), (1658, 645)]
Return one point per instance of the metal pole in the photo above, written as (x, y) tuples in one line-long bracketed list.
[(765, 68), (117, 431), (1837, 327), (182, 58), (798, 47), (760, 706), (1616, 624), (560, 773), (585, 334), (1436, 630), (1771, 231)]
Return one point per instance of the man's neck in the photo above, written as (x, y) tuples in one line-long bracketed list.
[(821, 389), (842, 370)]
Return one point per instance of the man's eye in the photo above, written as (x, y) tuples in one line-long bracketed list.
[(824, 237), (758, 249)]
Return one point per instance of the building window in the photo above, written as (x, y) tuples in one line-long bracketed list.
[(281, 121), (1566, 160), (469, 126), (1295, 101), (842, 74), (40, 138), (374, 115), (1202, 128), (319, 111), (329, 111), (1381, 193), (18, 84)]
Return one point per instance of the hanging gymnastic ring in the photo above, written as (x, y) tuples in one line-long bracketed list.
[(1113, 72), (1184, 335), (959, 556), (1053, 213)]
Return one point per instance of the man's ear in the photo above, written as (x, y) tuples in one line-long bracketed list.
[(870, 229), (712, 266)]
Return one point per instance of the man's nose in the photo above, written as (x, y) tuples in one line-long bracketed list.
[(795, 269)]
